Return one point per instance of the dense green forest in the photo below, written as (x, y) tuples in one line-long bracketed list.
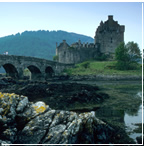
[(41, 44)]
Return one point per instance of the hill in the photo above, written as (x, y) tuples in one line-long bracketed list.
[(41, 44)]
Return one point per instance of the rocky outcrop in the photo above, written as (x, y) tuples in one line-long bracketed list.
[(25, 122), (58, 95)]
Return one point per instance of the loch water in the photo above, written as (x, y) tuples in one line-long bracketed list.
[(129, 119), (132, 120)]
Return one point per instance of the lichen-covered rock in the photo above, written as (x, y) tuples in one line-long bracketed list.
[(24, 122)]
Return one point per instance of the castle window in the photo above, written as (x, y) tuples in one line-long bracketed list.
[(64, 53), (111, 40)]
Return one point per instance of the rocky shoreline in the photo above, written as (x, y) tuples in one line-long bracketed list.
[(42, 116), (59, 95), (104, 77)]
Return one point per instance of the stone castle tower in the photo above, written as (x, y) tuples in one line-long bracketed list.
[(108, 36)]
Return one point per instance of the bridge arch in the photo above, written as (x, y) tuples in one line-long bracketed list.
[(35, 72), (10, 70), (49, 72)]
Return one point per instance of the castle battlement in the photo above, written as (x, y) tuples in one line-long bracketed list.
[(79, 45)]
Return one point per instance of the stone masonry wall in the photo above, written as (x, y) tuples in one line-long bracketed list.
[(76, 55)]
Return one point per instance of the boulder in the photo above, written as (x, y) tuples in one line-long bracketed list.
[(24, 122)]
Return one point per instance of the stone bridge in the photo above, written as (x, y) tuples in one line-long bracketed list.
[(39, 68)]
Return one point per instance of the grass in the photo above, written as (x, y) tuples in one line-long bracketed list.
[(101, 67)]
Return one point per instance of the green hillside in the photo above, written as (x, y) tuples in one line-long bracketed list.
[(40, 44)]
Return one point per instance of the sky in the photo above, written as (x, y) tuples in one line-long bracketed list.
[(78, 17)]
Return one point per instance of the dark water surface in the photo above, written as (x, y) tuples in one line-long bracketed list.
[(130, 118)]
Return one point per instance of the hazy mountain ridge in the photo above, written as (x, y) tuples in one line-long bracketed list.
[(40, 43)]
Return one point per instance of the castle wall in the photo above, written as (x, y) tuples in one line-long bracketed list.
[(68, 56), (76, 55)]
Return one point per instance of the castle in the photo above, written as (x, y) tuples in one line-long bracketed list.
[(108, 36)]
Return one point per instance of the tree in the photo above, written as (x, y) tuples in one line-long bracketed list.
[(127, 56), (133, 51)]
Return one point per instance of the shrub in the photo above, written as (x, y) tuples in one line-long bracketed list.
[(55, 58), (101, 57), (85, 64)]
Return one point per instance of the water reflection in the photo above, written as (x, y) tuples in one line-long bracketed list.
[(133, 121), (110, 113)]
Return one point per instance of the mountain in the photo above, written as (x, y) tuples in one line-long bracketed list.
[(41, 44)]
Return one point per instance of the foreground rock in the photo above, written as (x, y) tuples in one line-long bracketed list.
[(24, 122)]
